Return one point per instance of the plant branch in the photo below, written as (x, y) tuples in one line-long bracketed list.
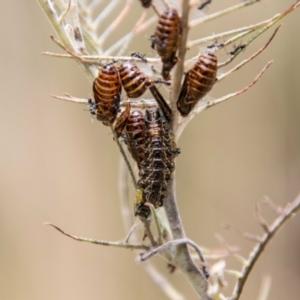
[(202, 105), (244, 62), (287, 214), (99, 242), (62, 32), (221, 13)]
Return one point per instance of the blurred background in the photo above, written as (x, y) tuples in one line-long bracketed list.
[(59, 166)]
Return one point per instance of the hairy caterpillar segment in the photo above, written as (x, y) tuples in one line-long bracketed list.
[(197, 83)]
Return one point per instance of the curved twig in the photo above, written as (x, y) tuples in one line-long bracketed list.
[(287, 214), (99, 242)]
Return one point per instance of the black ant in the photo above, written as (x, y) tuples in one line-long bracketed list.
[(215, 45), (204, 4), (140, 56), (237, 48)]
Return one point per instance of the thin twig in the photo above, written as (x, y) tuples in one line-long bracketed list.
[(124, 156), (50, 12), (104, 13), (250, 237), (95, 59), (262, 222), (154, 274), (68, 97), (99, 242), (274, 207), (250, 58), (229, 96), (287, 214), (202, 105), (129, 36), (157, 225), (221, 13), (106, 33), (162, 282), (265, 288), (148, 232), (169, 244)]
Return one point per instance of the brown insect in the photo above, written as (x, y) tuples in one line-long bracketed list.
[(146, 3), (135, 83), (135, 135), (197, 82), (157, 164), (107, 92), (122, 120), (165, 40)]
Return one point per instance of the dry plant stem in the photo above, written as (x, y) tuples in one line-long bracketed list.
[(267, 24), (96, 59), (243, 30), (99, 242), (179, 67), (114, 24), (206, 104), (123, 188), (182, 258), (156, 10), (271, 205), (265, 288), (161, 281), (128, 220), (104, 13), (124, 156), (287, 213), (70, 98), (141, 103), (229, 96), (240, 258), (250, 237), (169, 244), (50, 12), (129, 36), (221, 13), (132, 33), (157, 225), (148, 232), (237, 67), (262, 222)]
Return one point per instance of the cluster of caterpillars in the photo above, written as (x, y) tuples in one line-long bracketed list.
[(148, 133)]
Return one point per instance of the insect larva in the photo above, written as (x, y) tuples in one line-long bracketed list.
[(135, 135), (107, 91), (122, 120), (135, 83), (165, 39), (197, 83)]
